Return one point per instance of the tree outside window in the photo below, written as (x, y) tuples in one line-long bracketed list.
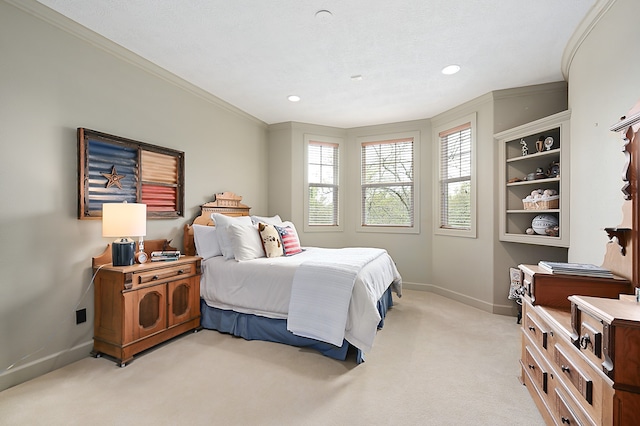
[(388, 183), (322, 178), (455, 178)]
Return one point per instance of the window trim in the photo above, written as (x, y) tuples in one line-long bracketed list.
[(415, 229), (437, 199), (308, 138)]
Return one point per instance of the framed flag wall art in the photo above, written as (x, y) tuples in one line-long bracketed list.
[(112, 169)]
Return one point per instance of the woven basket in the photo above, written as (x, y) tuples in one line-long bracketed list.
[(546, 204)]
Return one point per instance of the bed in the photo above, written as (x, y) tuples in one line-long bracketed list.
[(258, 282)]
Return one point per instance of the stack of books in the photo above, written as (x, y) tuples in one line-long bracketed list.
[(583, 269), (160, 256)]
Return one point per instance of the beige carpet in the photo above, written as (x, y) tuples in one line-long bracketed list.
[(436, 362)]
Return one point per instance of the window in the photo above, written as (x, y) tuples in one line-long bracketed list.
[(323, 183), (387, 183), (456, 204)]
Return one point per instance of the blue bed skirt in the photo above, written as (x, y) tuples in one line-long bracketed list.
[(253, 327)]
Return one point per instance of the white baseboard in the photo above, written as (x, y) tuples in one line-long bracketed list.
[(508, 310), (30, 370)]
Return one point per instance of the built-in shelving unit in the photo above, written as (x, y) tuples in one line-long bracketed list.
[(517, 178)]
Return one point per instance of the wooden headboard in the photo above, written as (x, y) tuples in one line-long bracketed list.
[(226, 203)]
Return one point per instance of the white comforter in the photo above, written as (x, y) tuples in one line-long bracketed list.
[(263, 287)]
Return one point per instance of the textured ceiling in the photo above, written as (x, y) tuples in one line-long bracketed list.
[(254, 53)]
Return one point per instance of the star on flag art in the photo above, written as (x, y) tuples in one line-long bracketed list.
[(113, 178)]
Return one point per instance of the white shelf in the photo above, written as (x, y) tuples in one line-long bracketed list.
[(534, 155), (514, 219), (534, 182), (534, 211)]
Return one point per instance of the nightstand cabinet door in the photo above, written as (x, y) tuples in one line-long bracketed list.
[(149, 311), (184, 300)]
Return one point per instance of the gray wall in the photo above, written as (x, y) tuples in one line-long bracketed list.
[(52, 82), (604, 85)]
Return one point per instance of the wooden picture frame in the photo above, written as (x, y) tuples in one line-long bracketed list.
[(114, 169)]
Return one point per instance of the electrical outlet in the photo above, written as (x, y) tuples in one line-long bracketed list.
[(81, 316)]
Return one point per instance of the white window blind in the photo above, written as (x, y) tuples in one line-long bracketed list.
[(455, 178), (387, 183), (323, 168)]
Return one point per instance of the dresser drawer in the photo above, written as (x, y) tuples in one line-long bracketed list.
[(590, 340), (567, 412), (159, 275), (578, 378), (535, 369), (589, 337), (536, 329)]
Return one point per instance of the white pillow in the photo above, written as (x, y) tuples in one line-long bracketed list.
[(245, 242), (206, 240), (222, 223), (273, 220)]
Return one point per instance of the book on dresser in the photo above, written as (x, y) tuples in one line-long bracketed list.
[(164, 255), (583, 269)]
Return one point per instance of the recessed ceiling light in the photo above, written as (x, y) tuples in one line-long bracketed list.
[(451, 69), (294, 98), (323, 15), (357, 77)]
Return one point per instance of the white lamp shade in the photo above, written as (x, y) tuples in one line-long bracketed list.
[(124, 220)]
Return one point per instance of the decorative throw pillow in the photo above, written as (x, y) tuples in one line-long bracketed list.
[(222, 223), (206, 241), (270, 240), (289, 238), (245, 242)]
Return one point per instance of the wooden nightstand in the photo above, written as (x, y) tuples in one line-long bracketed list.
[(140, 306)]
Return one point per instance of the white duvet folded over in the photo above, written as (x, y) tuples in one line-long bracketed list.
[(322, 290)]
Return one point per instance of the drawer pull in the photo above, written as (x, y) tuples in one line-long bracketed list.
[(532, 367), (566, 420), (585, 341), (180, 271), (532, 328), (565, 369), (155, 277)]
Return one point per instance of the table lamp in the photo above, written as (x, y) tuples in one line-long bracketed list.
[(123, 220)]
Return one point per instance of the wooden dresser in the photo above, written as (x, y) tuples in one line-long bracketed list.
[(140, 306), (581, 336), (581, 362)]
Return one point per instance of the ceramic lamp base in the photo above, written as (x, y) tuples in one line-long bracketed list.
[(122, 251)]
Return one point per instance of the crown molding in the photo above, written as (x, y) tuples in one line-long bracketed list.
[(597, 11), (515, 92), (50, 16)]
